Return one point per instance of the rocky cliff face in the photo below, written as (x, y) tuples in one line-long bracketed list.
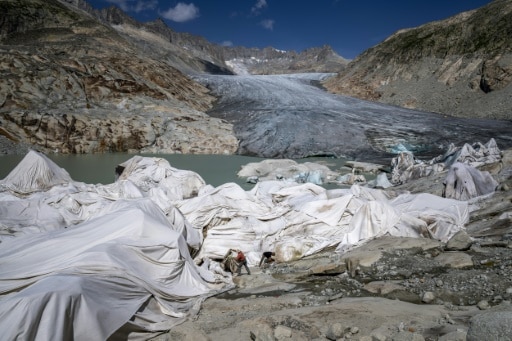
[(189, 53), (460, 66), (72, 84)]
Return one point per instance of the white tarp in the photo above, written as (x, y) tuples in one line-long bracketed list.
[(82, 262), (405, 166), (87, 281), (79, 259), (287, 169), (465, 182), (35, 173), (302, 219)]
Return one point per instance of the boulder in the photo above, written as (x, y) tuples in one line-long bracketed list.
[(459, 242), (493, 324)]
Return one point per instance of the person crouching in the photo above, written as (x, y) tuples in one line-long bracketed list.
[(242, 261)]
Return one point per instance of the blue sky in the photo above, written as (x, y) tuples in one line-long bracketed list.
[(349, 27)]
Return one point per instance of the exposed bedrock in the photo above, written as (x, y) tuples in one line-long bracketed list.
[(100, 131)]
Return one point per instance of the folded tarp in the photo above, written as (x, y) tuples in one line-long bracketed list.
[(91, 262), (36, 172), (297, 220), (86, 282), (464, 182)]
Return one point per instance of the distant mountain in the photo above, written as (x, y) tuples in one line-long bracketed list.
[(272, 61), (191, 53), (461, 66)]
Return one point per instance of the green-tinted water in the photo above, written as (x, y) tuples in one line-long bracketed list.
[(99, 168)]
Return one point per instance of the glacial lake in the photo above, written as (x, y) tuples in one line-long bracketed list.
[(214, 169)]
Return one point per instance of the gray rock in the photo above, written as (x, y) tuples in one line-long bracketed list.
[(455, 259), (378, 336), (282, 332), (428, 297), (458, 335), (408, 336), (158, 132), (459, 242), (365, 338), (335, 331), (483, 305), (262, 332), (494, 324), (354, 330)]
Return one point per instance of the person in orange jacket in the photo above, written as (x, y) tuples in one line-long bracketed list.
[(242, 261)]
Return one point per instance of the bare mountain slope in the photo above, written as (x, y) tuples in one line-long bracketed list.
[(460, 66), (72, 84)]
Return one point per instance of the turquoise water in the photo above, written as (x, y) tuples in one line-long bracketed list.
[(99, 168)]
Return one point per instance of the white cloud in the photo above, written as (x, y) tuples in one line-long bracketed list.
[(268, 24), (227, 43), (134, 5), (145, 5), (259, 5), (181, 12)]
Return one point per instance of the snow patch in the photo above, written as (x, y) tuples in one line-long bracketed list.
[(238, 67)]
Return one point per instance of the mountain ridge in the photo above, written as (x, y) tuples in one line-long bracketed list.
[(213, 58), (460, 66)]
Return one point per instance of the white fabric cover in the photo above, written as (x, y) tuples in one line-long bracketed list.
[(298, 220), (36, 172), (464, 182), (81, 261), (86, 282), (405, 167), (273, 169), (85, 262)]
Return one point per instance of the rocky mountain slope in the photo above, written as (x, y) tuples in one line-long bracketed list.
[(71, 84), (460, 66)]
